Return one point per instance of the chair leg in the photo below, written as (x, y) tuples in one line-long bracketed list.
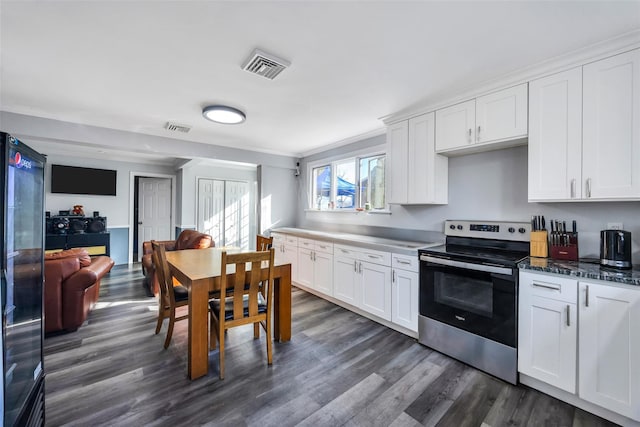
[(221, 353), (256, 330), (213, 333), (172, 321), (269, 339), (159, 324)]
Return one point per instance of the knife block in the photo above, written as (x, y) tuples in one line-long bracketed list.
[(567, 252), (538, 244)]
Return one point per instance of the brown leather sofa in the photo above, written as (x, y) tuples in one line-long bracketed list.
[(188, 239), (71, 287)]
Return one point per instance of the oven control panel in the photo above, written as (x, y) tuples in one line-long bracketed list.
[(502, 230)]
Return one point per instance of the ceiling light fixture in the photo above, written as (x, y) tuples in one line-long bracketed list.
[(223, 114)]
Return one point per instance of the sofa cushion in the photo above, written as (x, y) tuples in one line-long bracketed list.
[(80, 253), (192, 239)]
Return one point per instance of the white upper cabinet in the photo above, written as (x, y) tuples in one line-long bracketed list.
[(456, 126), (555, 136), (502, 115), (417, 174), (611, 132), (584, 137), (495, 120), (397, 151)]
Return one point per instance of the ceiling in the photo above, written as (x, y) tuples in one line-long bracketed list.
[(134, 65)]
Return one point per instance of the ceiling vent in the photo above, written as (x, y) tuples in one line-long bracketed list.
[(264, 64), (174, 127)]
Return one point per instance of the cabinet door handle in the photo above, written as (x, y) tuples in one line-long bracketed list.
[(586, 296), (568, 315), (478, 134), (469, 137), (573, 188), (360, 267), (589, 187), (541, 285), (355, 266), (393, 276)]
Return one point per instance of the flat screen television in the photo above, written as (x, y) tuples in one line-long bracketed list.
[(77, 180)]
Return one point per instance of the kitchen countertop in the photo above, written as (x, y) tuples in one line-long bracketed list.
[(404, 247), (582, 269)]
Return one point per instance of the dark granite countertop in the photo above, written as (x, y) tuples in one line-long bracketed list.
[(582, 269)]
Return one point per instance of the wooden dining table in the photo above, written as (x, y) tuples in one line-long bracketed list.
[(199, 271)]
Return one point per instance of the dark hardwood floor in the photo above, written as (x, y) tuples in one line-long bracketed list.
[(338, 369)]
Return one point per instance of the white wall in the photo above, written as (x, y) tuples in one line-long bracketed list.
[(116, 208), (485, 186), (279, 194)]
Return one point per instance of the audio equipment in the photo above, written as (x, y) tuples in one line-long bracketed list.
[(77, 225), (63, 213), (96, 214), (97, 224), (47, 214), (59, 225)]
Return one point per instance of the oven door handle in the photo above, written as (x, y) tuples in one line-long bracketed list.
[(467, 265)]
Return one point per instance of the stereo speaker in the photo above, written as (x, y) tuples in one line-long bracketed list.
[(97, 224), (96, 214), (47, 214), (77, 225)]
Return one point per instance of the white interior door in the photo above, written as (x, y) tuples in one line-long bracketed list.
[(154, 210), (211, 209)]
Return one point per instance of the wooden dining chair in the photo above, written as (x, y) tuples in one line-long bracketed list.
[(263, 243), (244, 303), (171, 297)]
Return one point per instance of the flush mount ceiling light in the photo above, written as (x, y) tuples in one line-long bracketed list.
[(223, 114)]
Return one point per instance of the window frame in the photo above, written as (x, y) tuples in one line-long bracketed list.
[(332, 162)]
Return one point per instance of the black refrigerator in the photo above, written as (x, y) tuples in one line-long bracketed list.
[(22, 274)]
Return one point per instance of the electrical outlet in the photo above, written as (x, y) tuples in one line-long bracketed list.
[(614, 226)]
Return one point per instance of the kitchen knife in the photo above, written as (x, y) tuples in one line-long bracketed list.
[(544, 226), (552, 228), (533, 223), (564, 226), (574, 226)]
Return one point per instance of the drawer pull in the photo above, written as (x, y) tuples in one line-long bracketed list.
[(542, 285), (374, 256), (401, 261), (568, 315)]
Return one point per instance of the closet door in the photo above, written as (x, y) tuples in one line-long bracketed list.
[(211, 208), (236, 214)]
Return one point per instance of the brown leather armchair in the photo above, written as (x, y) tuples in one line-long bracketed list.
[(71, 287), (188, 239)]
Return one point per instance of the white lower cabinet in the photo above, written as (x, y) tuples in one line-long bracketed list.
[(609, 352), (315, 265), (404, 291), (362, 278), (345, 274), (286, 252), (582, 337), (376, 289), (547, 329)]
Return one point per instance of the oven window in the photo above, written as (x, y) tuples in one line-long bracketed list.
[(464, 293)]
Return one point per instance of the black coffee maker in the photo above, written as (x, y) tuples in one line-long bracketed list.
[(615, 249)]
